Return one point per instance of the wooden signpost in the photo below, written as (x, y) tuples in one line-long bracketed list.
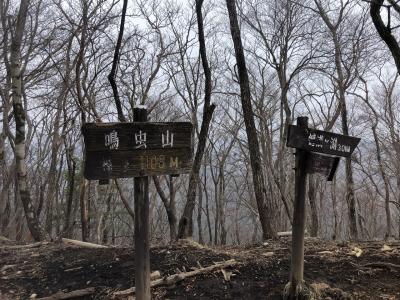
[(138, 149), (307, 141)]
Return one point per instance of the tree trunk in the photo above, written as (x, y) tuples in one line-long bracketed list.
[(52, 178), (210, 237), (185, 228), (105, 220), (221, 201), (169, 205), (216, 219), (254, 149), (385, 31), (84, 210), (71, 164), (199, 213), (350, 198), (19, 117), (172, 209)]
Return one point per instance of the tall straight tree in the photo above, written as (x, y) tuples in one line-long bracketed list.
[(350, 42), (185, 228), (20, 116), (254, 147)]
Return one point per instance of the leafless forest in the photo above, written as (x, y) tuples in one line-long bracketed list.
[(318, 58)]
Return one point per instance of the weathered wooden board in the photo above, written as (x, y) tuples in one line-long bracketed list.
[(322, 164), (137, 135), (321, 141), (122, 150)]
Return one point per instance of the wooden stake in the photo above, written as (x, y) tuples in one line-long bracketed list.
[(142, 224), (297, 262)]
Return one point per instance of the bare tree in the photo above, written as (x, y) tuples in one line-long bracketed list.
[(254, 148), (347, 64), (186, 222), (20, 116)]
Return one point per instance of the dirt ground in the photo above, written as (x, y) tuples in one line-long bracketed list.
[(365, 270)]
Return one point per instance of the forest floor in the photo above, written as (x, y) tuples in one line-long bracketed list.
[(364, 270)]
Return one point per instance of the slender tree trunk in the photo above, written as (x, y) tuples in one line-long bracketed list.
[(106, 218), (199, 213), (84, 210), (398, 198), (186, 222), (111, 76), (216, 219), (254, 148), (71, 165), (350, 197), (17, 212), (221, 200), (5, 201), (52, 182), (3, 169), (173, 230), (6, 217), (210, 237), (169, 205), (19, 117)]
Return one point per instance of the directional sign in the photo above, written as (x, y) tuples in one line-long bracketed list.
[(321, 141), (322, 164), (121, 150)]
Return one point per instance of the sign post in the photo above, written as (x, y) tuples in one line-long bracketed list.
[(299, 220), (142, 225), (307, 141), (139, 149)]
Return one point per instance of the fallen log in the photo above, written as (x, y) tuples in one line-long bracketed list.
[(70, 295), (82, 244), (171, 280)]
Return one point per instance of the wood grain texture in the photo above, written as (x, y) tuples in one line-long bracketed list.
[(95, 135), (321, 141), (112, 149)]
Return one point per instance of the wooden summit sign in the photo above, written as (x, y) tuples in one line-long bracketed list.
[(121, 150)]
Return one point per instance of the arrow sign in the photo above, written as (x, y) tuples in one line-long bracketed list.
[(321, 141)]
